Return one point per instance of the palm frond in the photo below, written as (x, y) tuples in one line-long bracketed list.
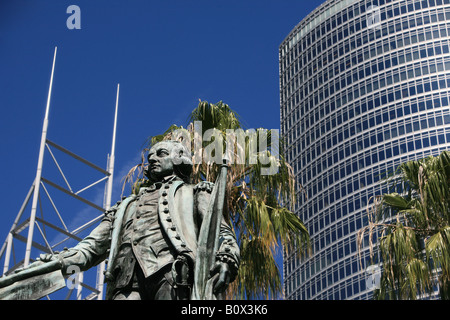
[(258, 205), (414, 223)]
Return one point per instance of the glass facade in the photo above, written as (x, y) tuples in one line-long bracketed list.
[(364, 86)]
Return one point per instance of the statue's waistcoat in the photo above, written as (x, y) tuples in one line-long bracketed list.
[(154, 230), (142, 239)]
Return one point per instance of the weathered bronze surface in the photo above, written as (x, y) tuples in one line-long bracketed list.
[(33, 283), (169, 241)]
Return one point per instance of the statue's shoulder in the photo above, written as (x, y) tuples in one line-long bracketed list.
[(124, 201)]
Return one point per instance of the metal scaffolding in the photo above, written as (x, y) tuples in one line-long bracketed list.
[(52, 231)]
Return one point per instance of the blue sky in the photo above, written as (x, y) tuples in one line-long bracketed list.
[(166, 55)]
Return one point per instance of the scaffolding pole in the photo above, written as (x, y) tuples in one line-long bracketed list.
[(37, 180), (107, 205), (112, 155), (34, 195)]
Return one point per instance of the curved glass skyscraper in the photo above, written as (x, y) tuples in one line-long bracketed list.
[(364, 86)]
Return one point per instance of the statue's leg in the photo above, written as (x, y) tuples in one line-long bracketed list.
[(160, 286), (165, 291), (127, 295), (131, 291)]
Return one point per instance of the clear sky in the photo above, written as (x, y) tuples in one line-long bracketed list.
[(166, 55)]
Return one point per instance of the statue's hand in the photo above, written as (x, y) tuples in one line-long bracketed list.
[(43, 258), (67, 257), (63, 256), (47, 257), (223, 281), (205, 186)]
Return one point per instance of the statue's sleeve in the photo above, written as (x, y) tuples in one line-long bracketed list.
[(93, 249), (229, 251)]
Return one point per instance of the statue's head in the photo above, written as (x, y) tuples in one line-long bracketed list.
[(166, 158)]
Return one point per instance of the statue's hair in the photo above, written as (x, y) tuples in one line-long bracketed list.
[(181, 158)]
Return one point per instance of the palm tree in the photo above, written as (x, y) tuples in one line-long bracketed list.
[(413, 222), (257, 204)]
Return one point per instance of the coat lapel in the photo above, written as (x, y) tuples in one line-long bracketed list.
[(176, 204)]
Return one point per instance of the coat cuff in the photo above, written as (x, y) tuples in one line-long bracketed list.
[(226, 255)]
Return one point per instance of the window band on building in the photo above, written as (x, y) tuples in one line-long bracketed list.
[(355, 102)]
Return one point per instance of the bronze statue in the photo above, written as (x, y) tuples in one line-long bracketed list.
[(151, 239)]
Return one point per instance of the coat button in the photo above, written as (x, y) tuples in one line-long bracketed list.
[(166, 210), (135, 242)]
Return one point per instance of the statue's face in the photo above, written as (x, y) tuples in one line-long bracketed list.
[(160, 162)]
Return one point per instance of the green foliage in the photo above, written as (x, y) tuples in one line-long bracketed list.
[(415, 230), (257, 205)]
